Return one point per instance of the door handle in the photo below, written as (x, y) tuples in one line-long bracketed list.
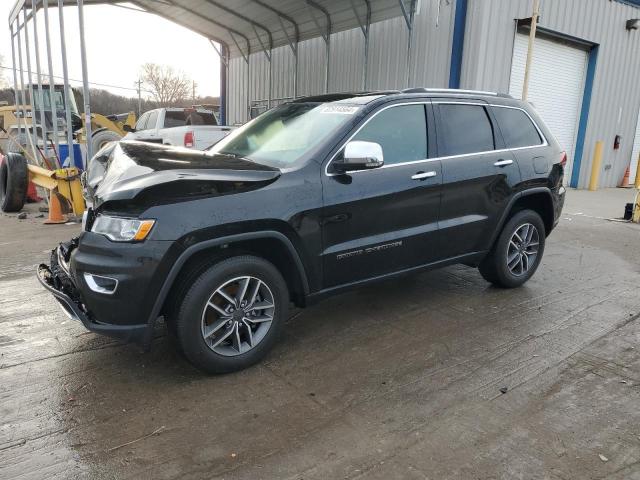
[(503, 163), (423, 175)]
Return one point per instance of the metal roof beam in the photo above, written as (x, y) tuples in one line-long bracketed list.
[(282, 16), (206, 35), (252, 22), (315, 5), (327, 36)]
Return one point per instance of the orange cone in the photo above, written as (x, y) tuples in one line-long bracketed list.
[(55, 210), (625, 180)]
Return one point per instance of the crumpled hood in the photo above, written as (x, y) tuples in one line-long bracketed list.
[(129, 169)]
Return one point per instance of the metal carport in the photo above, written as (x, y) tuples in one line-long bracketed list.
[(240, 27)]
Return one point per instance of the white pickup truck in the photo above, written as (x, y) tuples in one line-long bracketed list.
[(195, 128)]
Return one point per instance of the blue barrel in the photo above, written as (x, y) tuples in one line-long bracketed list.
[(63, 154)]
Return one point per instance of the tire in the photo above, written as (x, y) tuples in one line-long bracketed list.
[(14, 181), (101, 138), (511, 263), (212, 334)]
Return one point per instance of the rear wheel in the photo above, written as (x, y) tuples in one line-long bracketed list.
[(518, 251), (14, 181), (231, 316)]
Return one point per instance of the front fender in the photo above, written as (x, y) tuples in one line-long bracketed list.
[(191, 250)]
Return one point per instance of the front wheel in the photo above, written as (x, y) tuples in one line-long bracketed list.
[(231, 316), (518, 251)]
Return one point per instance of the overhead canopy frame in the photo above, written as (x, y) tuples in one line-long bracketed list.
[(246, 27)]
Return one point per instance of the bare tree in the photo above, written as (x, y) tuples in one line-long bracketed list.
[(167, 86)]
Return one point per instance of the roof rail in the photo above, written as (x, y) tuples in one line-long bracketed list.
[(453, 90)]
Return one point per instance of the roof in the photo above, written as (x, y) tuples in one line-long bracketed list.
[(264, 24), (362, 98), (257, 25)]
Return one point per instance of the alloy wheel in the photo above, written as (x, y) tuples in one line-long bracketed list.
[(523, 249), (237, 316)]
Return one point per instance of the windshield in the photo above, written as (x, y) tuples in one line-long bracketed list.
[(285, 134)]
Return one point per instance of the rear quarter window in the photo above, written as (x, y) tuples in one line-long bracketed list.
[(517, 128)]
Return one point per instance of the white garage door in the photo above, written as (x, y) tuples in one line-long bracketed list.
[(556, 85), (634, 155)]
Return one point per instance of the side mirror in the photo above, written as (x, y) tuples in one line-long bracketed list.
[(128, 128), (360, 155)]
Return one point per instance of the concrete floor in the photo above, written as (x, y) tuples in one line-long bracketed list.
[(397, 380)]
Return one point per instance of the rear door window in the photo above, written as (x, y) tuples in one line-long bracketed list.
[(517, 128), (464, 129), (401, 132)]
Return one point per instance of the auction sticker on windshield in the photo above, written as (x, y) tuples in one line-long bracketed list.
[(344, 109)]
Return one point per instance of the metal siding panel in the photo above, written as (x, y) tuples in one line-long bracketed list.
[(432, 39), (311, 66), (487, 63), (635, 154), (347, 61)]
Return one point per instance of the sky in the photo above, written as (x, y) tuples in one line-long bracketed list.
[(119, 41)]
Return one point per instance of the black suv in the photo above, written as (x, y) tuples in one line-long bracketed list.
[(311, 197)]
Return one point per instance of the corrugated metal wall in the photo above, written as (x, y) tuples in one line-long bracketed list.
[(430, 59), (488, 49), (615, 100)]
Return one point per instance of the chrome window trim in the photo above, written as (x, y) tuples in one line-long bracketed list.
[(544, 143), (326, 168)]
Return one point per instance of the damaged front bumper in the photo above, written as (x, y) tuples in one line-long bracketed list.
[(57, 279)]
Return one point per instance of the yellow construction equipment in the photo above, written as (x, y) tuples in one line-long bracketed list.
[(21, 135)]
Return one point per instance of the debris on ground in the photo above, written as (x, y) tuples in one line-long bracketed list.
[(504, 389), (22, 215), (155, 432), (603, 458)]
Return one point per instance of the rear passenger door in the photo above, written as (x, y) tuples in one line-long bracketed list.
[(478, 176)]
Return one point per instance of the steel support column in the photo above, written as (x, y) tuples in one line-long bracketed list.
[(86, 95), (247, 59), (255, 25), (54, 109), (223, 54), (67, 90), (293, 43), (408, 18), (326, 36), (33, 134), (23, 96), (43, 119), (365, 26)]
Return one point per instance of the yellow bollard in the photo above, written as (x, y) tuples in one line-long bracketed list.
[(637, 183), (595, 166)]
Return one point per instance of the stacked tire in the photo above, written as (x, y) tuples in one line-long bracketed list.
[(14, 181)]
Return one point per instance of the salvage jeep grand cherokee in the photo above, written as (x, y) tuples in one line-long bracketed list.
[(311, 197)]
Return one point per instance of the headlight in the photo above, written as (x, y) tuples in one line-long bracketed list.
[(122, 229)]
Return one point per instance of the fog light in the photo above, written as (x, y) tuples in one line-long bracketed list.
[(100, 284)]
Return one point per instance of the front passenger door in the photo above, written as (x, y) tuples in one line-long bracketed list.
[(383, 220)]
